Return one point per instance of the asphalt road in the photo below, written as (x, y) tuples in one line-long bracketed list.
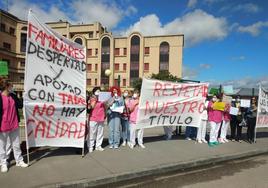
[(243, 173)]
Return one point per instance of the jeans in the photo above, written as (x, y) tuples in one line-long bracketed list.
[(190, 132), (114, 129), (125, 129)]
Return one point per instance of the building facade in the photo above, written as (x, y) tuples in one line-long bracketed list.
[(13, 36), (127, 58)]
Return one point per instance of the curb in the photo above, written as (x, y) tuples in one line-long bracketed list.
[(161, 169)]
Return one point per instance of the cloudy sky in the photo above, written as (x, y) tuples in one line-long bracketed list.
[(226, 41)]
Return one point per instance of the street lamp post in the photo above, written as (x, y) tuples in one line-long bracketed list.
[(108, 73)]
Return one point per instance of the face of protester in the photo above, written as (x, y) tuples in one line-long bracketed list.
[(115, 93), (97, 92), (214, 99), (136, 95), (126, 94)]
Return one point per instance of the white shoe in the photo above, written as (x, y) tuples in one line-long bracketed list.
[(4, 168), (124, 143), (199, 141), (204, 141), (115, 147), (22, 164), (221, 140), (111, 146), (142, 146), (99, 149), (131, 146), (226, 140)]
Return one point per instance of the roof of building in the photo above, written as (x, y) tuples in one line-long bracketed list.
[(247, 92)]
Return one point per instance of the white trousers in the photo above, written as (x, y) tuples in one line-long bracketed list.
[(133, 134), (14, 137), (95, 134), (214, 131), (202, 130), (168, 131), (224, 129)]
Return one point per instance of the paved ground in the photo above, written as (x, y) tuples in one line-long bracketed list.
[(247, 173), (51, 167)]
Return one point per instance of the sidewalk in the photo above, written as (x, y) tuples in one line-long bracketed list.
[(57, 167)]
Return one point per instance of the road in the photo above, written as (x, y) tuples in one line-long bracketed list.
[(243, 173)]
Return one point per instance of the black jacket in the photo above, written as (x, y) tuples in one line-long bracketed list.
[(18, 103)]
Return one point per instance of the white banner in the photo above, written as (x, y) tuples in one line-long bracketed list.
[(262, 115), (168, 103), (55, 88)]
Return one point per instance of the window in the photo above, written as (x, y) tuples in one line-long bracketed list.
[(105, 60), (65, 36), (117, 51), (24, 28), (89, 52), (89, 81), (146, 66), (124, 82), (164, 57), (134, 58), (11, 31), (89, 67), (22, 79), (78, 41), (115, 82), (22, 64), (96, 67), (125, 51), (147, 50), (90, 34), (96, 81), (116, 66), (7, 46), (23, 41), (3, 27), (96, 51), (124, 67)]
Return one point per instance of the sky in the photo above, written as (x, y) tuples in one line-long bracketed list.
[(226, 41)]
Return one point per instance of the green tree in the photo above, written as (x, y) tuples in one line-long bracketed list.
[(165, 75)]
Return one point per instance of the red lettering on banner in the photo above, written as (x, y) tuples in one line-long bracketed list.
[(165, 89), (192, 107), (59, 45), (49, 111), (53, 131), (67, 98), (157, 88)]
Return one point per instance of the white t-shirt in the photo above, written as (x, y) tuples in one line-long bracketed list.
[(204, 115)]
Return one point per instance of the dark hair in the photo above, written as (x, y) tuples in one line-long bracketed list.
[(95, 89), (4, 83), (136, 91)]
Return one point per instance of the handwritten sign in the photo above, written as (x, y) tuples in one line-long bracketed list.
[(262, 114), (171, 104), (234, 111), (104, 96), (55, 85), (245, 103)]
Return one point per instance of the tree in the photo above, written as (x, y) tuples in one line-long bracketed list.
[(165, 75), (137, 84)]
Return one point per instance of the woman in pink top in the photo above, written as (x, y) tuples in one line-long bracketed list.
[(96, 121), (9, 125), (225, 124), (133, 108), (215, 118)]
